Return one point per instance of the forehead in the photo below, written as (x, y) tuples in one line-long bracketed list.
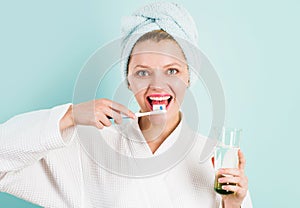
[(157, 53)]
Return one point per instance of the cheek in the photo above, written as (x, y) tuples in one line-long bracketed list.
[(137, 85), (179, 87), (186, 79), (140, 99), (180, 93), (138, 88)]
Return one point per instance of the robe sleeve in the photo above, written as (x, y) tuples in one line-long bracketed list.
[(35, 163)]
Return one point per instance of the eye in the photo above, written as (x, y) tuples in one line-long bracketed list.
[(172, 71), (142, 73)]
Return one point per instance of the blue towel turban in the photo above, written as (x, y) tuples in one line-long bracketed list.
[(170, 17)]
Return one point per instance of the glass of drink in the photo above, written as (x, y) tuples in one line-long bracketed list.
[(226, 154)]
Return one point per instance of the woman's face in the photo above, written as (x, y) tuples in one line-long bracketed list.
[(158, 75)]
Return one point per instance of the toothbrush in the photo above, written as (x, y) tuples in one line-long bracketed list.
[(157, 109), (155, 112)]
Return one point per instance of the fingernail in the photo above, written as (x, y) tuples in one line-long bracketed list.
[(220, 180), (224, 187), (133, 116)]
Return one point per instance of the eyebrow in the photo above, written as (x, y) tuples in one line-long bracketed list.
[(148, 67), (142, 66), (172, 64)]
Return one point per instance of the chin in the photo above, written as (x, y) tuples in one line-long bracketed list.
[(160, 119)]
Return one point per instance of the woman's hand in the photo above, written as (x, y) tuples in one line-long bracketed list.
[(94, 113), (238, 177)]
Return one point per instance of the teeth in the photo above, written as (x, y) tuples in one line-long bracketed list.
[(160, 98)]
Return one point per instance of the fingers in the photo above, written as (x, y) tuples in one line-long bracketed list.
[(98, 124), (238, 190), (242, 160), (230, 171), (119, 108), (111, 114), (239, 181), (105, 109), (237, 184), (235, 180), (98, 112), (103, 119)]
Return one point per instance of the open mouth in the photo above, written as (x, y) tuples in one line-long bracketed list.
[(159, 100)]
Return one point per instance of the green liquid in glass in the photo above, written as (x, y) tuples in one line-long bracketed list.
[(218, 186)]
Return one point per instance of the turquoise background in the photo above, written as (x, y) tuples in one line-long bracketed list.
[(253, 45)]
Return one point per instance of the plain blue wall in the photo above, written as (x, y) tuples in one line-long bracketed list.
[(253, 45)]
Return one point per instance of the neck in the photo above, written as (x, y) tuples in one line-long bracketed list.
[(156, 134)]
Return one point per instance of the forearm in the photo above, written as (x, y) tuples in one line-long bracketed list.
[(246, 203), (230, 205)]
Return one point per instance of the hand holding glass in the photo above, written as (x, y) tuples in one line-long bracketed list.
[(226, 154)]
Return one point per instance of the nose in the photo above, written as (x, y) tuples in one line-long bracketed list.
[(158, 80)]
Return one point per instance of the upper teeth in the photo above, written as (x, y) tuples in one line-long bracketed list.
[(160, 98)]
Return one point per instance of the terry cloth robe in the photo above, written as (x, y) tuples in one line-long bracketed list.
[(40, 164)]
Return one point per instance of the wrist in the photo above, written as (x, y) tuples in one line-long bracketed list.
[(229, 204), (67, 120)]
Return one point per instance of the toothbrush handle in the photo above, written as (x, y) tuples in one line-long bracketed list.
[(144, 114), (122, 117)]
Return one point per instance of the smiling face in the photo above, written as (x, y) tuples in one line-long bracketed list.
[(158, 75)]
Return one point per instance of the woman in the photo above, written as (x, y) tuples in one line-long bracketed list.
[(46, 163)]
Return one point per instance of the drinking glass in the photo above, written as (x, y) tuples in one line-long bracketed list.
[(226, 154)]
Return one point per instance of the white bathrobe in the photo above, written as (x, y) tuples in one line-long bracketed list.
[(45, 167)]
